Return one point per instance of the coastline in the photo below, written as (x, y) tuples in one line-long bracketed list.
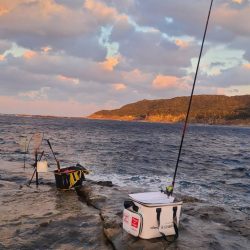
[(232, 123), (168, 122)]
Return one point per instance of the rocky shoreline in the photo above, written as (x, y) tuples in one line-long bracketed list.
[(202, 226), (240, 123), (91, 218)]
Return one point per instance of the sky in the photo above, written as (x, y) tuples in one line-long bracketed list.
[(75, 57)]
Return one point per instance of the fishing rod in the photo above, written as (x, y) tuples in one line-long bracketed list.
[(169, 189)]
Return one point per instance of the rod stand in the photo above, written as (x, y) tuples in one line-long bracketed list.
[(35, 168)]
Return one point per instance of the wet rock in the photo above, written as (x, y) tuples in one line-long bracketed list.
[(105, 183), (204, 216), (187, 199), (44, 224), (44, 218), (215, 245), (2, 247), (91, 198)]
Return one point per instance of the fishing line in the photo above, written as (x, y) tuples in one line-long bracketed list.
[(190, 100)]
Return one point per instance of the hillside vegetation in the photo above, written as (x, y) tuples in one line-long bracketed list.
[(208, 109)]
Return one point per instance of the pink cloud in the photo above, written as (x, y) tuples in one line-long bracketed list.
[(2, 57), (246, 66), (181, 43), (14, 105), (50, 6), (220, 91), (45, 6), (233, 19), (100, 9), (238, 1), (70, 80), (46, 49), (110, 63), (119, 86), (38, 17), (3, 10), (29, 54), (136, 76), (170, 82)]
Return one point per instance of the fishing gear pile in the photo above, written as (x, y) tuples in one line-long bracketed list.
[(66, 178)]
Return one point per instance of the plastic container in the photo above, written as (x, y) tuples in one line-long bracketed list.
[(42, 167)]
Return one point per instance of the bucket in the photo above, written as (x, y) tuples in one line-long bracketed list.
[(70, 177)]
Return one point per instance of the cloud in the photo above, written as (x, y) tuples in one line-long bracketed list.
[(3, 10), (4, 45), (103, 12), (181, 43), (29, 54), (36, 94), (232, 19), (69, 80), (110, 63), (189, 22), (238, 1), (13, 105), (36, 24), (152, 52), (247, 66), (136, 76), (46, 49), (168, 82), (220, 91), (119, 86), (76, 4), (236, 76), (47, 66)]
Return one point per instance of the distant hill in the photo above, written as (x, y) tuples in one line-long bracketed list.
[(207, 109)]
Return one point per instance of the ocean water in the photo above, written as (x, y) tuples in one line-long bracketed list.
[(214, 166)]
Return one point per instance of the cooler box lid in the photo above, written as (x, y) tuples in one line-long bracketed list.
[(152, 198)]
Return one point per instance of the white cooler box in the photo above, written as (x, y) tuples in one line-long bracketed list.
[(151, 215)]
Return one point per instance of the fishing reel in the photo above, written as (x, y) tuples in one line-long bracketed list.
[(168, 191)]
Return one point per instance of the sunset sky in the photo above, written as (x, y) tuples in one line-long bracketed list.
[(74, 57)]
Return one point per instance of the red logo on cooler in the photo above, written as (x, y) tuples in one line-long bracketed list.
[(134, 222)]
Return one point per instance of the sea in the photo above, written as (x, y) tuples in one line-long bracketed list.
[(214, 164)]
